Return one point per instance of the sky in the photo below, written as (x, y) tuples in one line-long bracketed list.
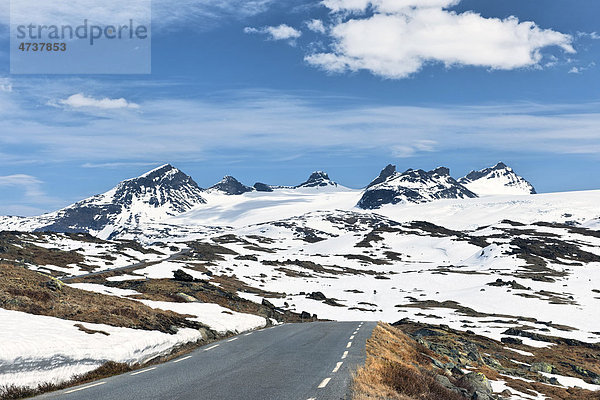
[(271, 90)]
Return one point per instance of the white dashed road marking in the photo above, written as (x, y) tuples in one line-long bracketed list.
[(349, 345), (141, 372), (345, 355), (85, 387), (182, 359), (324, 383), (212, 347), (351, 337), (337, 367), (231, 340)]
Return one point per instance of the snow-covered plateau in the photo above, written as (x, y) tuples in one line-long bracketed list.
[(481, 253)]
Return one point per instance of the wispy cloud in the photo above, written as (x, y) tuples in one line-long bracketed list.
[(119, 164), (316, 25), (166, 15), (269, 122), (30, 184), (589, 35), (280, 32), (581, 69), (80, 100), (5, 85)]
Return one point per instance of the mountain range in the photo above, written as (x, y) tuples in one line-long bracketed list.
[(167, 192)]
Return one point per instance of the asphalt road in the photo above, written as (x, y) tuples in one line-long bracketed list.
[(286, 362)]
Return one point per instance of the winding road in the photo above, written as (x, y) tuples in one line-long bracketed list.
[(312, 361)]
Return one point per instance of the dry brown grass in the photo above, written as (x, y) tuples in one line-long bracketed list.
[(561, 356), (106, 370), (397, 368), (16, 251), (27, 291)]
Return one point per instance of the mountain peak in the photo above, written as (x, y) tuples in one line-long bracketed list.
[(497, 180), (412, 186), (317, 179), (443, 171), (231, 186), (383, 175), (160, 193), (162, 173), (165, 168)]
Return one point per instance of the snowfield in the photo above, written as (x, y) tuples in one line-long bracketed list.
[(483, 264), (36, 349)]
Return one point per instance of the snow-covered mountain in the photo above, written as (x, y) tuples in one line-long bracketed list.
[(412, 186), (166, 201), (317, 179), (497, 180), (230, 186), (160, 193)]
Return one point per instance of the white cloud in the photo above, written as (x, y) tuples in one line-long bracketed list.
[(413, 149), (30, 193), (396, 38), (273, 123), (280, 32), (386, 6), (316, 25), (119, 164), (30, 184), (174, 15), (5, 85), (185, 14), (590, 35), (80, 100), (581, 69)]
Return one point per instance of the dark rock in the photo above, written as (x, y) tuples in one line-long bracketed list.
[(513, 284), (332, 302), (231, 186), (541, 367), (511, 340), (478, 395), (182, 276), (317, 296), (317, 179), (262, 187), (415, 186), (425, 332), (267, 303), (54, 285), (444, 381), (475, 382), (383, 175)]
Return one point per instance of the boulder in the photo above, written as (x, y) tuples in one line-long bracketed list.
[(317, 296), (182, 276), (475, 382), (541, 367), (511, 340), (267, 303)]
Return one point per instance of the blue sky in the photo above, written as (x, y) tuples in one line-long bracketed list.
[(263, 91)]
